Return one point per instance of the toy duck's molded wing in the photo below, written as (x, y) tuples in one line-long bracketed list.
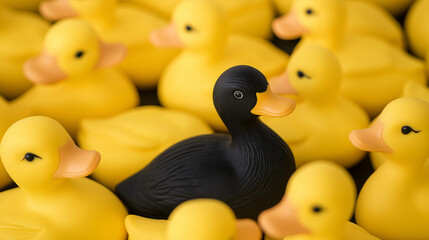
[(145, 228), (18, 233)]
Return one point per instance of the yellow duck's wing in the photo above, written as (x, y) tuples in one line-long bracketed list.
[(355, 232), (416, 90), (139, 228)]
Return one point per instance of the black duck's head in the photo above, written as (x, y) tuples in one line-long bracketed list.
[(242, 93)]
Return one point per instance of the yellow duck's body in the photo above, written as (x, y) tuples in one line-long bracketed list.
[(364, 18), (245, 16), (323, 119), (15, 48), (396, 7), (318, 202), (393, 202), (197, 219), (126, 24), (187, 83), (26, 5), (374, 72), (79, 90), (135, 137), (53, 200), (416, 24)]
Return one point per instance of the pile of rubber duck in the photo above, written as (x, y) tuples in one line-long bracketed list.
[(263, 110)]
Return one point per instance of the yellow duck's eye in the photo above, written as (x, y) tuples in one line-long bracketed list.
[(238, 95), (29, 157), (407, 130), (317, 209), (189, 28), (79, 54), (309, 11), (301, 74)]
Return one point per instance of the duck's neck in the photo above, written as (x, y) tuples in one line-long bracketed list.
[(210, 53), (329, 100), (42, 193), (331, 40)]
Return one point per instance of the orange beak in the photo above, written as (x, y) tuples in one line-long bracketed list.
[(370, 139), (57, 9), (43, 69), (166, 37), (281, 85), (75, 162), (288, 26), (111, 54), (281, 221), (270, 104), (247, 229)]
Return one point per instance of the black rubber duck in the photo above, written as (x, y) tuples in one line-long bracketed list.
[(248, 169)]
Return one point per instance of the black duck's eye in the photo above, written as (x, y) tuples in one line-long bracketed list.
[(238, 95), (407, 130), (301, 74), (189, 28), (29, 157), (309, 11), (79, 54), (317, 209)]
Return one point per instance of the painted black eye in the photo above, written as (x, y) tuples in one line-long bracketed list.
[(317, 209), (309, 11), (407, 130), (300, 74), (79, 54), (189, 28), (238, 95), (29, 157)]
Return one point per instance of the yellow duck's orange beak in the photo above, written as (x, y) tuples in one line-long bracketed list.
[(43, 69), (288, 26), (270, 104), (281, 221), (370, 139), (281, 85), (57, 9), (166, 37), (111, 54), (75, 162), (247, 229)]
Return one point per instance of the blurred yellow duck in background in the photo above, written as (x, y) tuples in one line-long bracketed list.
[(198, 219), (393, 203), (318, 203), (245, 16), (25, 5), (374, 71), (396, 7), (130, 140), (21, 37), (364, 18), (54, 201), (322, 121), (122, 23), (209, 48), (73, 78)]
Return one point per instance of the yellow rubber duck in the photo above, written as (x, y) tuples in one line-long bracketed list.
[(73, 78), (317, 205), (197, 219), (135, 137), (15, 48), (25, 5), (364, 18), (201, 28), (396, 7), (54, 200), (122, 23), (246, 16), (393, 203), (416, 23), (374, 71), (323, 119)]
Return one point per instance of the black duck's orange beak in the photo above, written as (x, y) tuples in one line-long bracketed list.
[(270, 104)]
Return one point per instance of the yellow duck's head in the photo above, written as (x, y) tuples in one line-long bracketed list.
[(401, 132), (319, 199), (60, 9), (196, 25), (71, 48), (313, 73), (311, 17), (209, 219), (38, 152)]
